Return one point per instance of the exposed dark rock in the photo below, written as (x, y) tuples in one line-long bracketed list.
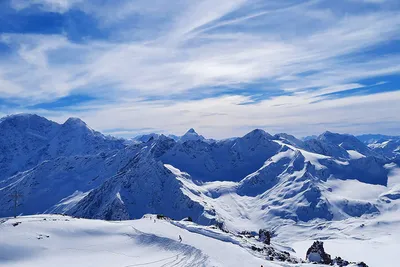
[(162, 217), (264, 236), (316, 253), (221, 226), (16, 224), (273, 255)]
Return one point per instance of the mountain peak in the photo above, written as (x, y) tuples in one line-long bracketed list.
[(327, 133), (146, 137), (336, 138), (75, 121), (191, 134), (347, 142), (30, 124), (21, 116), (78, 125), (191, 131), (258, 133)]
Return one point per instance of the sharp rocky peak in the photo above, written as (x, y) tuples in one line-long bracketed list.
[(191, 135), (191, 131)]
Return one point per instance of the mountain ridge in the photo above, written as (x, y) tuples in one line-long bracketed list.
[(79, 171)]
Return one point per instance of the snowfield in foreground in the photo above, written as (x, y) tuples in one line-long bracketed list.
[(55, 240), (64, 241)]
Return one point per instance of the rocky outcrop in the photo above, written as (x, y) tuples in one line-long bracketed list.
[(264, 236), (272, 254), (316, 253)]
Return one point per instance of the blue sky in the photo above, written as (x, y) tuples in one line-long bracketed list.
[(222, 67)]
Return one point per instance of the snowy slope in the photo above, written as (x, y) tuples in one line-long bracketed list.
[(289, 186), (374, 138), (294, 185), (389, 148), (21, 137), (340, 145), (50, 240), (144, 185), (51, 183)]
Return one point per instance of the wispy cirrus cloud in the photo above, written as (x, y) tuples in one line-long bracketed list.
[(256, 51), (47, 5)]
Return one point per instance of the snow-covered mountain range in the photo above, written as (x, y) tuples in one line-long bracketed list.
[(27, 140), (238, 182)]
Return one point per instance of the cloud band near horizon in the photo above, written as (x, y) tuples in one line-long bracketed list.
[(222, 67)]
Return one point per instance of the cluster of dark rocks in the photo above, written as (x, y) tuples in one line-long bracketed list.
[(247, 234), (41, 236), (269, 252), (264, 235), (274, 255), (316, 254)]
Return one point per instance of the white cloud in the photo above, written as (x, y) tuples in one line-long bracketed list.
[(48, 5), (222, 116), (187, 47)]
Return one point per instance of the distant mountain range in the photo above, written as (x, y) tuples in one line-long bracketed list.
[(70, 168)]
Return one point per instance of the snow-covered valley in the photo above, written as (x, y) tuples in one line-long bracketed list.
[(337, 188)]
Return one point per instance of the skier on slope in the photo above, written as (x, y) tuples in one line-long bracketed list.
[(180, 238)]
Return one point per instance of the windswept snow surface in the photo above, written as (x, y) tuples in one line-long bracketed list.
[(55, 240), (63, 241)]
